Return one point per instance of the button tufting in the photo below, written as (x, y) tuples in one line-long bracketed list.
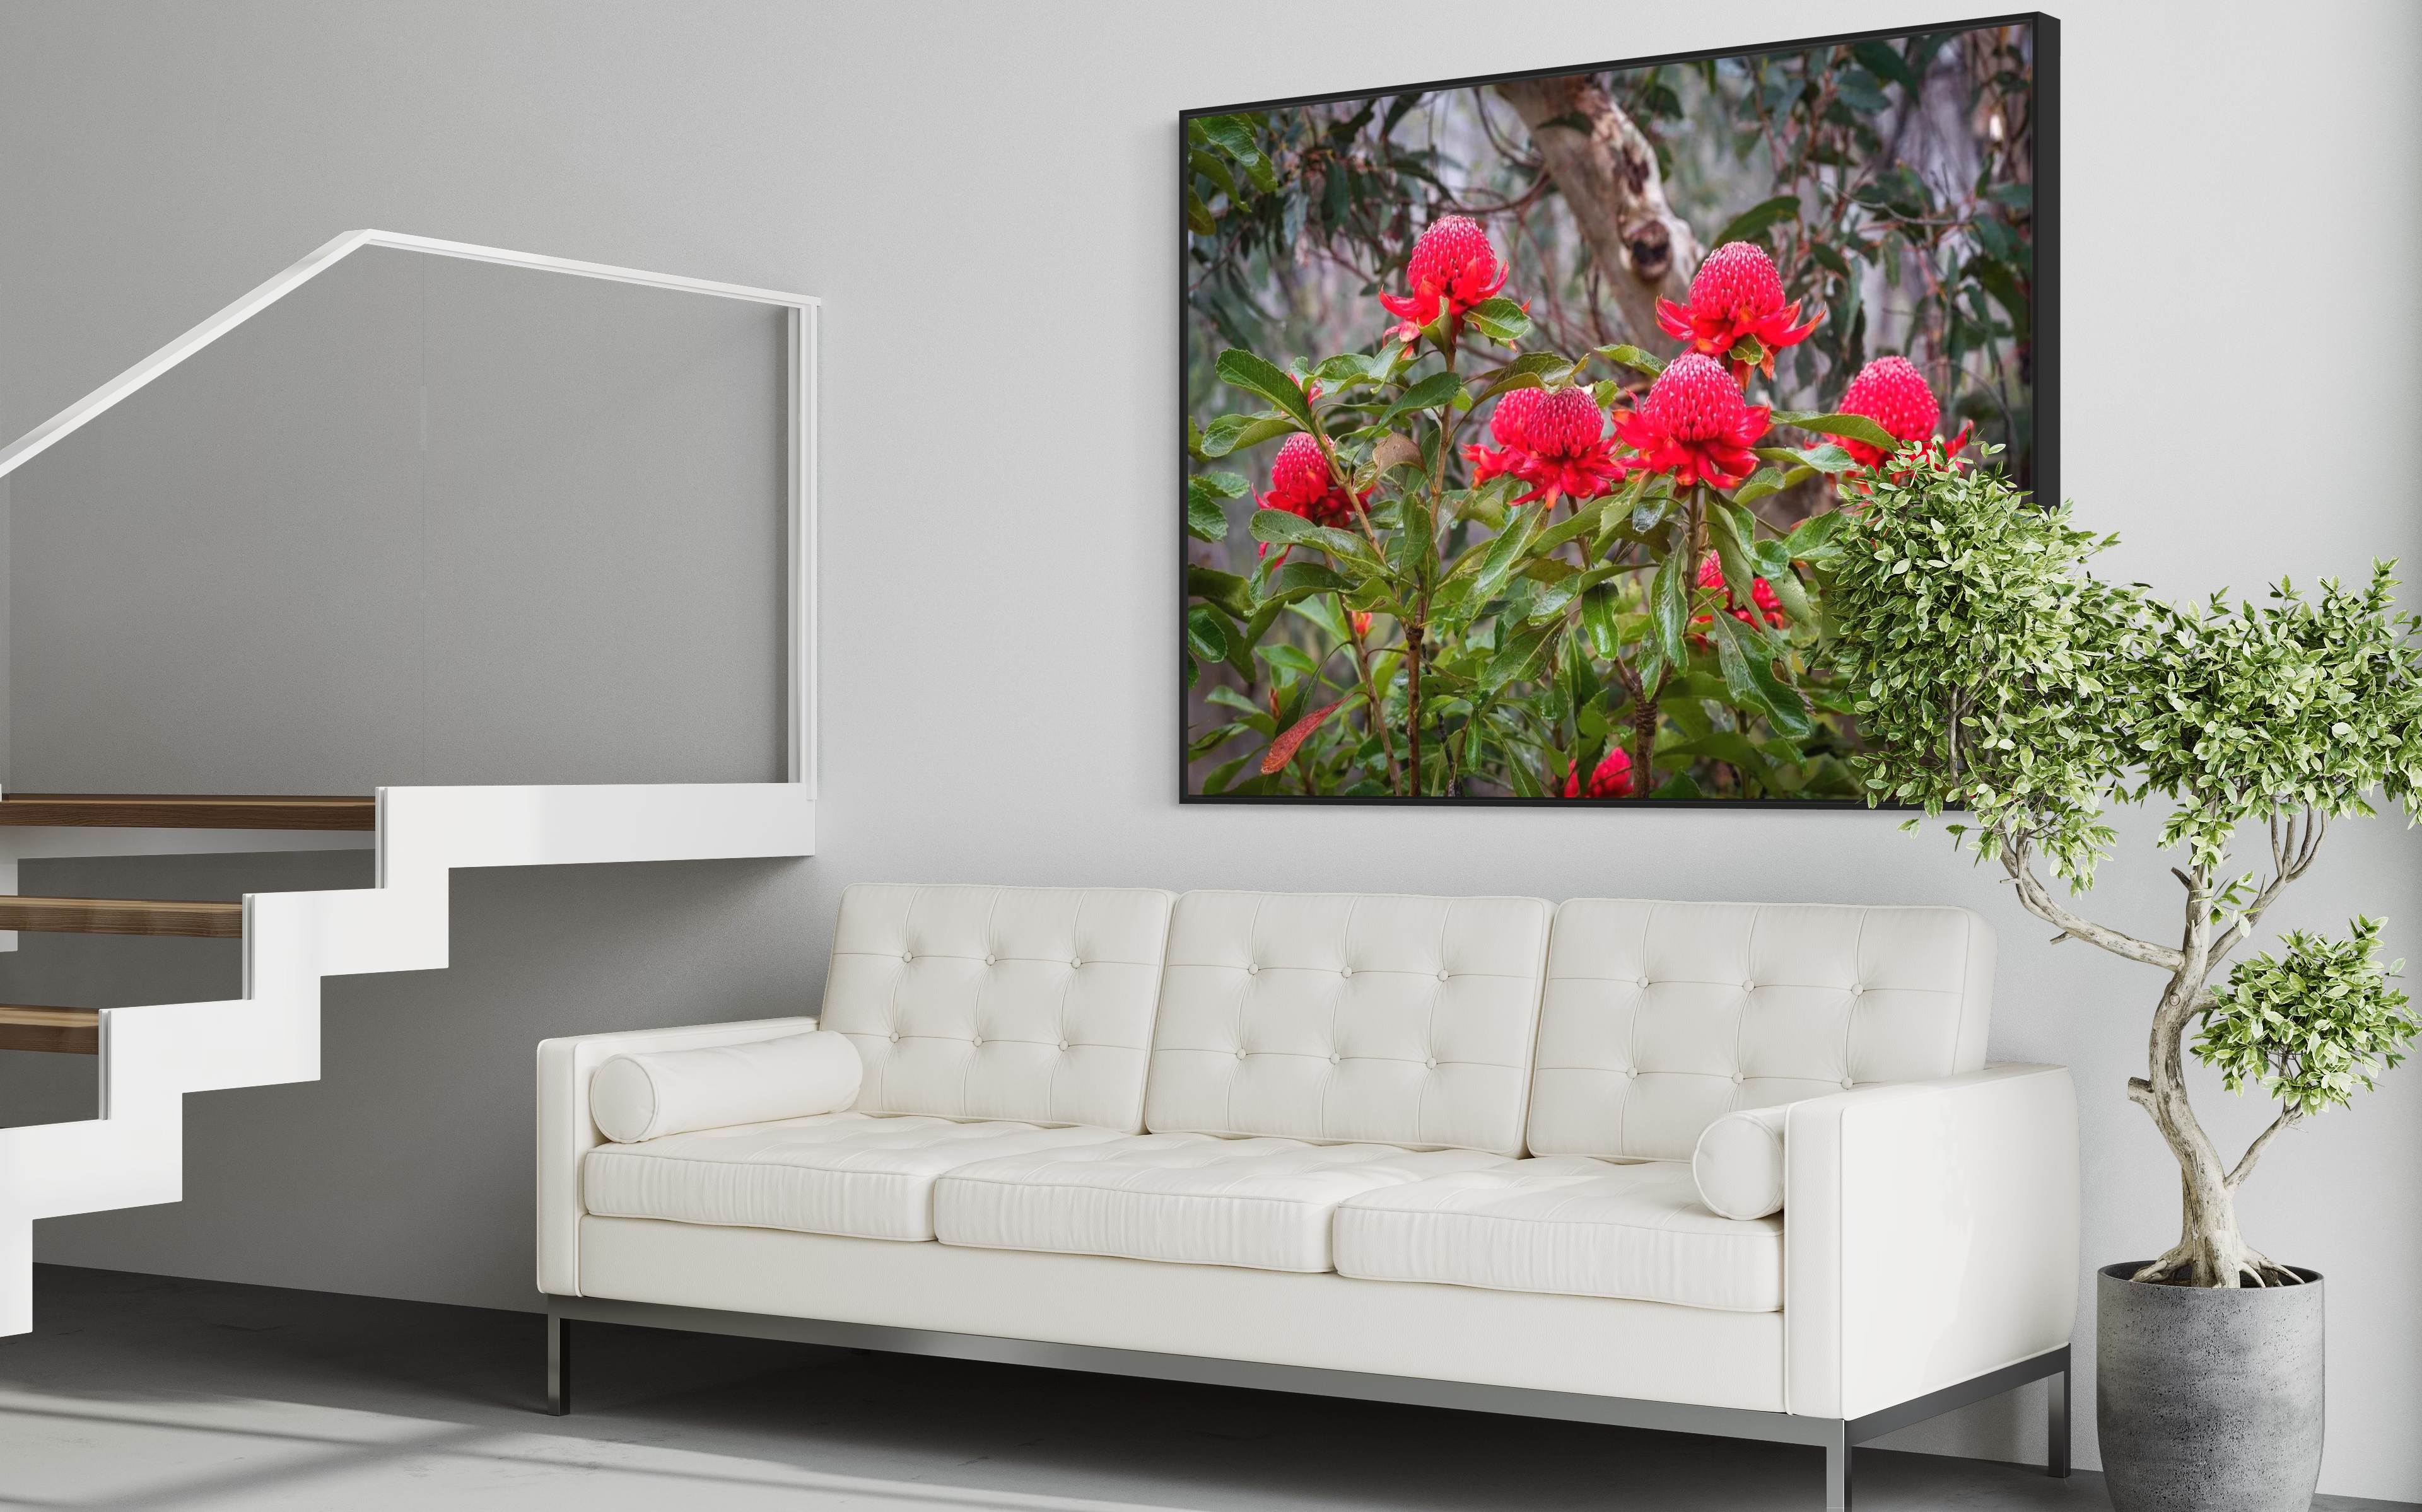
[(1240, 1052), (978, 1039), (988, 960), (1431, 1062), (1632, 1073), (906, 955), (895, 1036), (1737, 1076), (1748, 987), (1644, 981), (1846, 1083), (1348, 972), (1075, 964), (1332, 1060), (1064, 1044), (1857, 988), (1252, 971), (1441, 976)]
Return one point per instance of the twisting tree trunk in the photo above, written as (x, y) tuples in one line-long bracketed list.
[(2210, 1251), (1607, 172)]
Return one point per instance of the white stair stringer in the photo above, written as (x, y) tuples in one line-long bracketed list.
[(133, 1155)]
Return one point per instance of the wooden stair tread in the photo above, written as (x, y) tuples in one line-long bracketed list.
[(59, 1031), (123, 916), (180, 811)]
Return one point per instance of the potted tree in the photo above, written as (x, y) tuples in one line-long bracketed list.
[(1993, 672)]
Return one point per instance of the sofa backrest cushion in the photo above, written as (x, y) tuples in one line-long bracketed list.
[(1660, 1018), (1349, 1018), (1031, 1004)]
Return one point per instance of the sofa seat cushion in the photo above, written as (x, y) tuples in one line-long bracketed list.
[(1567, 1223), (840, 1173), (1193, 1199)]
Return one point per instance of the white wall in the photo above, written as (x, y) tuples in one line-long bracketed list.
[(983, 197)]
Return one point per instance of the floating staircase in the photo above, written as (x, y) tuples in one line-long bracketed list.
[(133, 1154)]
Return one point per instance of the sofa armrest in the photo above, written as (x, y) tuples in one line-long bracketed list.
[(1930, 1235), (566, 1132)]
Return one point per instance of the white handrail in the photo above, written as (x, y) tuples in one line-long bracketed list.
[(101, 400)]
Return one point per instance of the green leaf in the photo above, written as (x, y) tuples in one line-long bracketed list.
[(1280, 527), (1205, 636), (1633, 357), (1287, 657), (1811, 539), (1767, 480), (1856, 427), (1521, 656), (1272, 382), (1669, 608), (2017, 196), (1212, 168), (1218, 485), (1747, 667), (1677, 786), (1756, 219), (1296, 579), (1503, 555), (1234, 432), (1206, 520), (1429, 394), (1501, 318), (1226, 590), (1410, 553), (1860, 90), (1526, 371), (1879, 56), (1233, 135), (1601, 622)]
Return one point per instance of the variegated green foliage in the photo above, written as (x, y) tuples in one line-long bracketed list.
[(2312, 1027)]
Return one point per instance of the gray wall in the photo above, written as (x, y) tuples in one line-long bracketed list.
[(982, 193)]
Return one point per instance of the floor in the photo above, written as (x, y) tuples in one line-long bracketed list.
[(147, 1393)]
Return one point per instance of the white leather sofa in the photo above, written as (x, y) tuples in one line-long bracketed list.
[(1458, 1151)]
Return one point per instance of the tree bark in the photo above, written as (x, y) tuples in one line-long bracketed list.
[(2210, 1251), (1607, 172)]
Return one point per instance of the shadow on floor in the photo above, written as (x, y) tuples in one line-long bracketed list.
[(137, 1393)]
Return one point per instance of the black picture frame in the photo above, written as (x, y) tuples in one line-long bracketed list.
[(2044, 336)]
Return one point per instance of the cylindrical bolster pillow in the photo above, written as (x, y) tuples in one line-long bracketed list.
[(636, 1097), (1738, 1164)]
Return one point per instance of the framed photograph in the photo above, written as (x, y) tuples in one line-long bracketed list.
[(1520, 411)]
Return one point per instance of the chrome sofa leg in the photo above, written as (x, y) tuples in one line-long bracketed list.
[(2056, 1423), (559, 1364), (1837, 1470)]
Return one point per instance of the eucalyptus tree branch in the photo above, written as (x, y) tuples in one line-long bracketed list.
[(2037, 900), (1607, 172)]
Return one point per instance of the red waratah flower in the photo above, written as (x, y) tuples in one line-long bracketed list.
[(1566, 449), (1694, 425), (1452, 265), (1302, 485), (1893, 393), (1736, 293), (1505, 423), (1761, 593), (1612, 778)]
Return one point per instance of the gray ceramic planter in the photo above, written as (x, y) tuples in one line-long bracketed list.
[(2208, 1400)]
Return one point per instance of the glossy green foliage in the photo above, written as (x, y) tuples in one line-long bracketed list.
[(2311, 1027)]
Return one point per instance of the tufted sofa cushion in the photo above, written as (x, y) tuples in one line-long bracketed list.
[(1660, 1018), (1349, 1018), (1028, 1004), (1565, 1224), (1189, 1198)]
